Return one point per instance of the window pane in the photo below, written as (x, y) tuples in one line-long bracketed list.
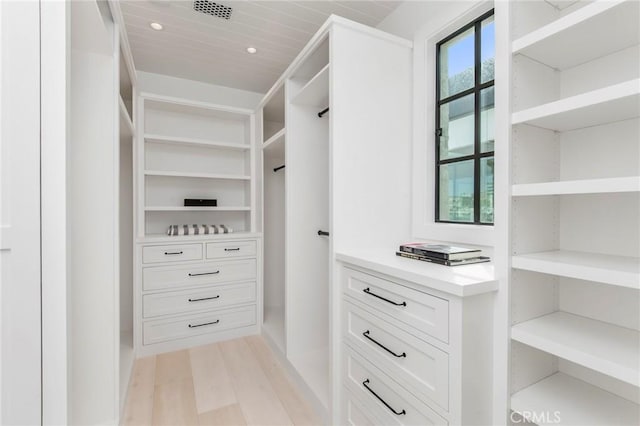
[(486, 190), (456, 64), (457, 122), (487, 50), (487, 117), (456, 191)]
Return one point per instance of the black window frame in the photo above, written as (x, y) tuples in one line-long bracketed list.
[(476, 90)]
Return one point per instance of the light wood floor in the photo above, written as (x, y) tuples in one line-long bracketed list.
[(237, 382)]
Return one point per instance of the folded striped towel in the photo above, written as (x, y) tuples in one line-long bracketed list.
[(173, 230)]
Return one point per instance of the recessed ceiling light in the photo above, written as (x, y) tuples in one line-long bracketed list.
[(251, 50), (156, 26)]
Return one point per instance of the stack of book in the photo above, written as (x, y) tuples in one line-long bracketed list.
[(441, 254)]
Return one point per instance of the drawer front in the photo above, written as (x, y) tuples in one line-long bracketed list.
[(221, 250), (177, 302), (423, 368), (176, 277), (422, 311), (391, 402), (171, 253), (354, 413), (158, 331)]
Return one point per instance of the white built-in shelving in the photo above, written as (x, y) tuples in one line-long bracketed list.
[(609, 104), (194, 149), (583, 186), (316, 91), (575, 203), (603, 347), (565, 400), (126, 124), (274, 140), (623, 271)]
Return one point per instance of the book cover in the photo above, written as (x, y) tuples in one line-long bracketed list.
[(478, 259), (440, 251)]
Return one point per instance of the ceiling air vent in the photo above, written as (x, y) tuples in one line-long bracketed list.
[(214, 9)]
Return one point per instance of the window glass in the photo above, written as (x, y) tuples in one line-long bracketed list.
[(456, 191), (456, 124), (488, 50), (457, 64), (487, 113)]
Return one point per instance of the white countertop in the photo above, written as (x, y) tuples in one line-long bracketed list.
[(463, 280)]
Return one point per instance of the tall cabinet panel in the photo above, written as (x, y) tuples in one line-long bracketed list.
[(342, 153), (575, 235)]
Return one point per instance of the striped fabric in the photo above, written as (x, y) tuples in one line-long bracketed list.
[(174, 230)]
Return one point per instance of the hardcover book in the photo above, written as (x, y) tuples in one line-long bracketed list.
[(478, 259), (440, 251)]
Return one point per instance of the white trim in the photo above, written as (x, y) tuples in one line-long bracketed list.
[(423, 182), (195, 104)]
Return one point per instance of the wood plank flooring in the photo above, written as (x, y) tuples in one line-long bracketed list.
[(237, 382)]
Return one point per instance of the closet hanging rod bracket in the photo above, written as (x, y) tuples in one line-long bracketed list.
[(323, 112)]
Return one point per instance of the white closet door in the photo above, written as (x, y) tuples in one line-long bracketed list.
[(20, 372)]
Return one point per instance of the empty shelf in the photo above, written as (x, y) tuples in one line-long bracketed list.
[(593, 31), (577, 403), (316, 91), (195, 175), (586, 186), (603, 347), (126, 125), (195, 142), (275, 139), (607, 105), (622, 271)]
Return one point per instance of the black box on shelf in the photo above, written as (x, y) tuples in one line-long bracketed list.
[(198, 202)]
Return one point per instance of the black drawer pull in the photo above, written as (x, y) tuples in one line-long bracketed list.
[(397, 413), (204, 298), (233, 249), (204, 273), (171, 253), (402, 355), (202, 325), (366, 290)]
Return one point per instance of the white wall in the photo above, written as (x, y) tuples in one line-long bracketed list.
[(195, 90)]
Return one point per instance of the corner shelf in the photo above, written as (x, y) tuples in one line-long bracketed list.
[(274, 140), (600, 346), (316, 91), (621, 271), (613, 103), (586, 186), (195, 175), (577, 402), (194, 142), (194, 209), (583, 30)]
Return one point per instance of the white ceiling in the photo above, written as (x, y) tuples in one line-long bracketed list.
[(213, 50)]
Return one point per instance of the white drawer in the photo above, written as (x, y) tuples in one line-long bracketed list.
[(231, 249), (424, 312), (177, 277), (177, 302), (393, 404), (353, 411), (419, 366), (157, 331), (171, 253)]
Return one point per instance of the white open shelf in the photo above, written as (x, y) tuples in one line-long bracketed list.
[(600, 346), (195, 209), (622, 271), (195, 175), (126, 125), (164, 238), (593, 31), (585, 186), (577, 403), (316, 91), (275, 139), (195, 142), (607, 105)]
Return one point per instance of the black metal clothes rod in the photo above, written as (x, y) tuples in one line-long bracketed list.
[(323, 233), (323, 112), (278, 168)]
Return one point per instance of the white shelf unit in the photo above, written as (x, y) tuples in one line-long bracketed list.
[(190, 149), (575, 200)]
